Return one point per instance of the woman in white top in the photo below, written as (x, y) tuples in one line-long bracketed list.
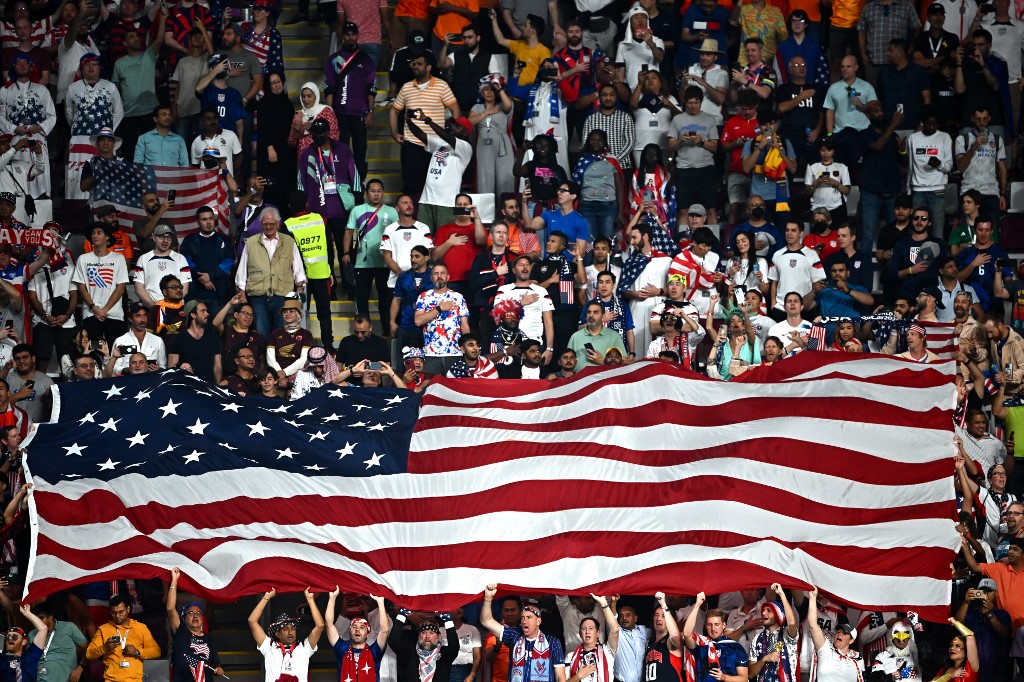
[(746, 269), (996, 502), (837, 662), (653, 108), (494, 150)]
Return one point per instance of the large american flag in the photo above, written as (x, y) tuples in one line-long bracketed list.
[(195, 188), (824, 469)]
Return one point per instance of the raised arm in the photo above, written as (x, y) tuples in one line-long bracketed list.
[(254, 618), (792, 625), (332, 631), (691, 622), (817, 636), (486, 617), (383, 621), (318, 620), (610, 621), (40, 639), (674, 642), (173, 619)]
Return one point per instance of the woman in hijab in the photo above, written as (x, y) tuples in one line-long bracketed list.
[(312, 109), (274, 159)]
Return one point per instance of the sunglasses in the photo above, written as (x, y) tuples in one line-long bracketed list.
[(920, 218)]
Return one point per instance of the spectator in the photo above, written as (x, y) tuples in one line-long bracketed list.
[(643, 279), (715, 649), (401, 237), (470, 365), (101, 276), (1007, 40), (455, 244), (239, 332), (167, 317), (861, 269), (915, 257), (408, 287), (800, 110), (62, 654), (263, 40), (215, 143), (704, 20), (154, 265), (694, 137), (538, 309), (803, 43), (792, 330), (160, 146), (470, 66), (269, 269), (362, 344), (215, 93), (617, 316), (845, 110), (931, 159), (936, 44), (36, 385), (196, 348), (187, 72), (822, 237), (880, 24), (709, 76), (981, 158), (666, 645), (330, 180), (444, 316), (127, 650), (769, 163), (301, 135), (135, 74), (738, 129), (599, 175), (53, 299), (757, 75), (282, 651), (494, 147), (700, 268), (529, 630), (310, 235), (978, 263), (982, 78), (903, 85), (139, 340), (429, 97), (653, 108), (838, 297), (450, 155), (361, 248), (880, 175), (593, 660), (210, 259), (781, 628), (351, 91), (274, 160), (26, 108)]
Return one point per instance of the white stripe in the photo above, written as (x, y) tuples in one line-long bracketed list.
[(852, 368), (220, 565), (718, 515), (216, 486), (893, 443)]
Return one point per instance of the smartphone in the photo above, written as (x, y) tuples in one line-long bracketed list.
[(375, 366), (644, 67), (171, 194), (588, 346), (1004, 263), (30, 384), (520, 64), (899, 108), (9, 324), (461, 210)]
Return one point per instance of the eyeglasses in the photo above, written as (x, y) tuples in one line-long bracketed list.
[(174, 287), (244, 312), (798, 20), (1009, 513), (246, 357), (194, 614), (919, 218), (563, 189), (86, 365)]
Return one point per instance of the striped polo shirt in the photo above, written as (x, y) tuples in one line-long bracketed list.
[(432, 97)]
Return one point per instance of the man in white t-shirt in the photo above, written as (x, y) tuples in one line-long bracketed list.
[(282, 653), (793, 330), (400, 237), (450, 154), (213, 137), (794, 268), (102, 276), (538, 322), (153, 266)]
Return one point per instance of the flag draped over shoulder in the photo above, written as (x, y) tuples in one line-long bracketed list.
[(822, 469)]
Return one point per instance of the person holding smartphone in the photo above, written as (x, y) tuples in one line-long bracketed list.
[(455, 243)]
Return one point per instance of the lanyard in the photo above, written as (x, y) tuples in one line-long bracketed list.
[(49, 640), (123, 638), (330, 159)]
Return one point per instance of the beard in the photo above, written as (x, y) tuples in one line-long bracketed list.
[(575, 41)]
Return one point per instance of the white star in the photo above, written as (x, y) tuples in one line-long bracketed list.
[(132, 466), (349, 449), (389, 407), (357, 424), (75, 449), (280, 409), (366, 668), (169, 448), (336, 393), (305, 413), (229, 446), (112, 391), (377, 427), (231, 407), (374, 460), (110, 424), (142, 395), (258, 427), (197, 428), (319, 435), (332, 418), (287, 452), (360, 408), (348, 678), (108, 465), (137, 439), (396, 399), (315, 467), (292, 422), (88, 418), (194, 456), (170, 408)]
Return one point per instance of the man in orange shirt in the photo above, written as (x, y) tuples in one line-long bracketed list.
[(496, 652), (108, 214), (1008, 576), (843, 34), (451, 16)]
